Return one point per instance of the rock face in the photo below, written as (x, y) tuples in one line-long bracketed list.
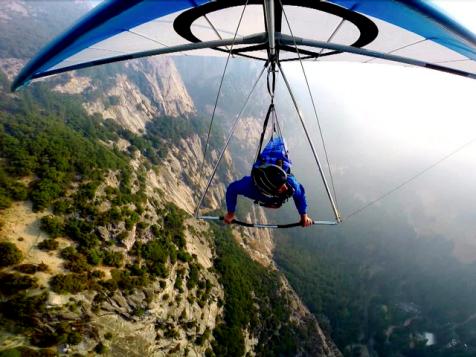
[(164, 86), (146, 89), (182, 176), (11, 66)]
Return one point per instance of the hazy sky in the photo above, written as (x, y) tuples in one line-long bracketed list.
[(462, 10), (382, 125)]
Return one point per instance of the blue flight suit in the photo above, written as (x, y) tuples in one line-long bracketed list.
[(246, 187)]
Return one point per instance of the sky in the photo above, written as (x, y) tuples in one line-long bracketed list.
[(462, 10), (384, 124)]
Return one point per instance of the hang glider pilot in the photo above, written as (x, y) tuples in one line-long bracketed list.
[(271, 183)]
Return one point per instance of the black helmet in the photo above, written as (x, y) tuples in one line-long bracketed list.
[(268, 178)]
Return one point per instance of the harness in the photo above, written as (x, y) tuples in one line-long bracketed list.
[(268, 177), (273, 159), (278, 200)]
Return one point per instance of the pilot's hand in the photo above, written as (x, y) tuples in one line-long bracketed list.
[(229, 217), (306, 221)]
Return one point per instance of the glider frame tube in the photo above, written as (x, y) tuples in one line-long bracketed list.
[(28, 72), (283, 39), (316, 157), (262, 225)]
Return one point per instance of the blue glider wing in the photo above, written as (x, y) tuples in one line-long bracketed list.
[(380, 29)]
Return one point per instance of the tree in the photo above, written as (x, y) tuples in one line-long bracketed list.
[(9, 254)]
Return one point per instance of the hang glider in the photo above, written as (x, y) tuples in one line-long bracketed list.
[(411, 32)]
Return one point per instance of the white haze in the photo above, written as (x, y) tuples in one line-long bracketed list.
[(384, 124), (461, 10)]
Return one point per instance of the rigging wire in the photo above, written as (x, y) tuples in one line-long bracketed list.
[(195, 4), (271, 113), (338, 27), (219, 90), (331, 36), (227, 142), (312, 101), (412, 178)]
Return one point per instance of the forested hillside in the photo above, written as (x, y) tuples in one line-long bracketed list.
[(389, 292), (116, 241), (96, 257)]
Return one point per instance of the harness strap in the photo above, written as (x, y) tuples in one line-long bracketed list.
[(263, 132)]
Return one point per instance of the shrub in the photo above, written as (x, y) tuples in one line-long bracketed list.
[(192, 277), (43, 267), (108, 335), (154, 252), (48, 245), (68, 253), (200, 340), (47, 338), (100, 348), (11, 284), (31, 268), (81, 232), (179, 240), (131, 220), (24, 309), (74, 338), (97, 274), (184, 256), (62, 206), (137, 270), (178, 283), (69, 283), (52, 225), (78, 264), (9, 254), (94, 256), (11, 353), (113, 259), (125, 281)]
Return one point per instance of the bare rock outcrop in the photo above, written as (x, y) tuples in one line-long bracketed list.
[(145, 89)]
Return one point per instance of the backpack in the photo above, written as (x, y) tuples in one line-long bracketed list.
[(268, 176), (276, 149)]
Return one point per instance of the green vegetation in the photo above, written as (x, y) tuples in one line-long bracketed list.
[(52, 225), (28, 352), (125, 280), (31, 268), (72, 283), (11, 284), (100, 348), (56, 155), (56, 146), (24, 310), (9, 254), (113, 259), (253, 301), (48, 245), (359, 285)]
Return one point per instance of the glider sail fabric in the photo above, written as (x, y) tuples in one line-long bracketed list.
[(407, 31)]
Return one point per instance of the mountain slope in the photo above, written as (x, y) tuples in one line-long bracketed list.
[(98, 254)]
